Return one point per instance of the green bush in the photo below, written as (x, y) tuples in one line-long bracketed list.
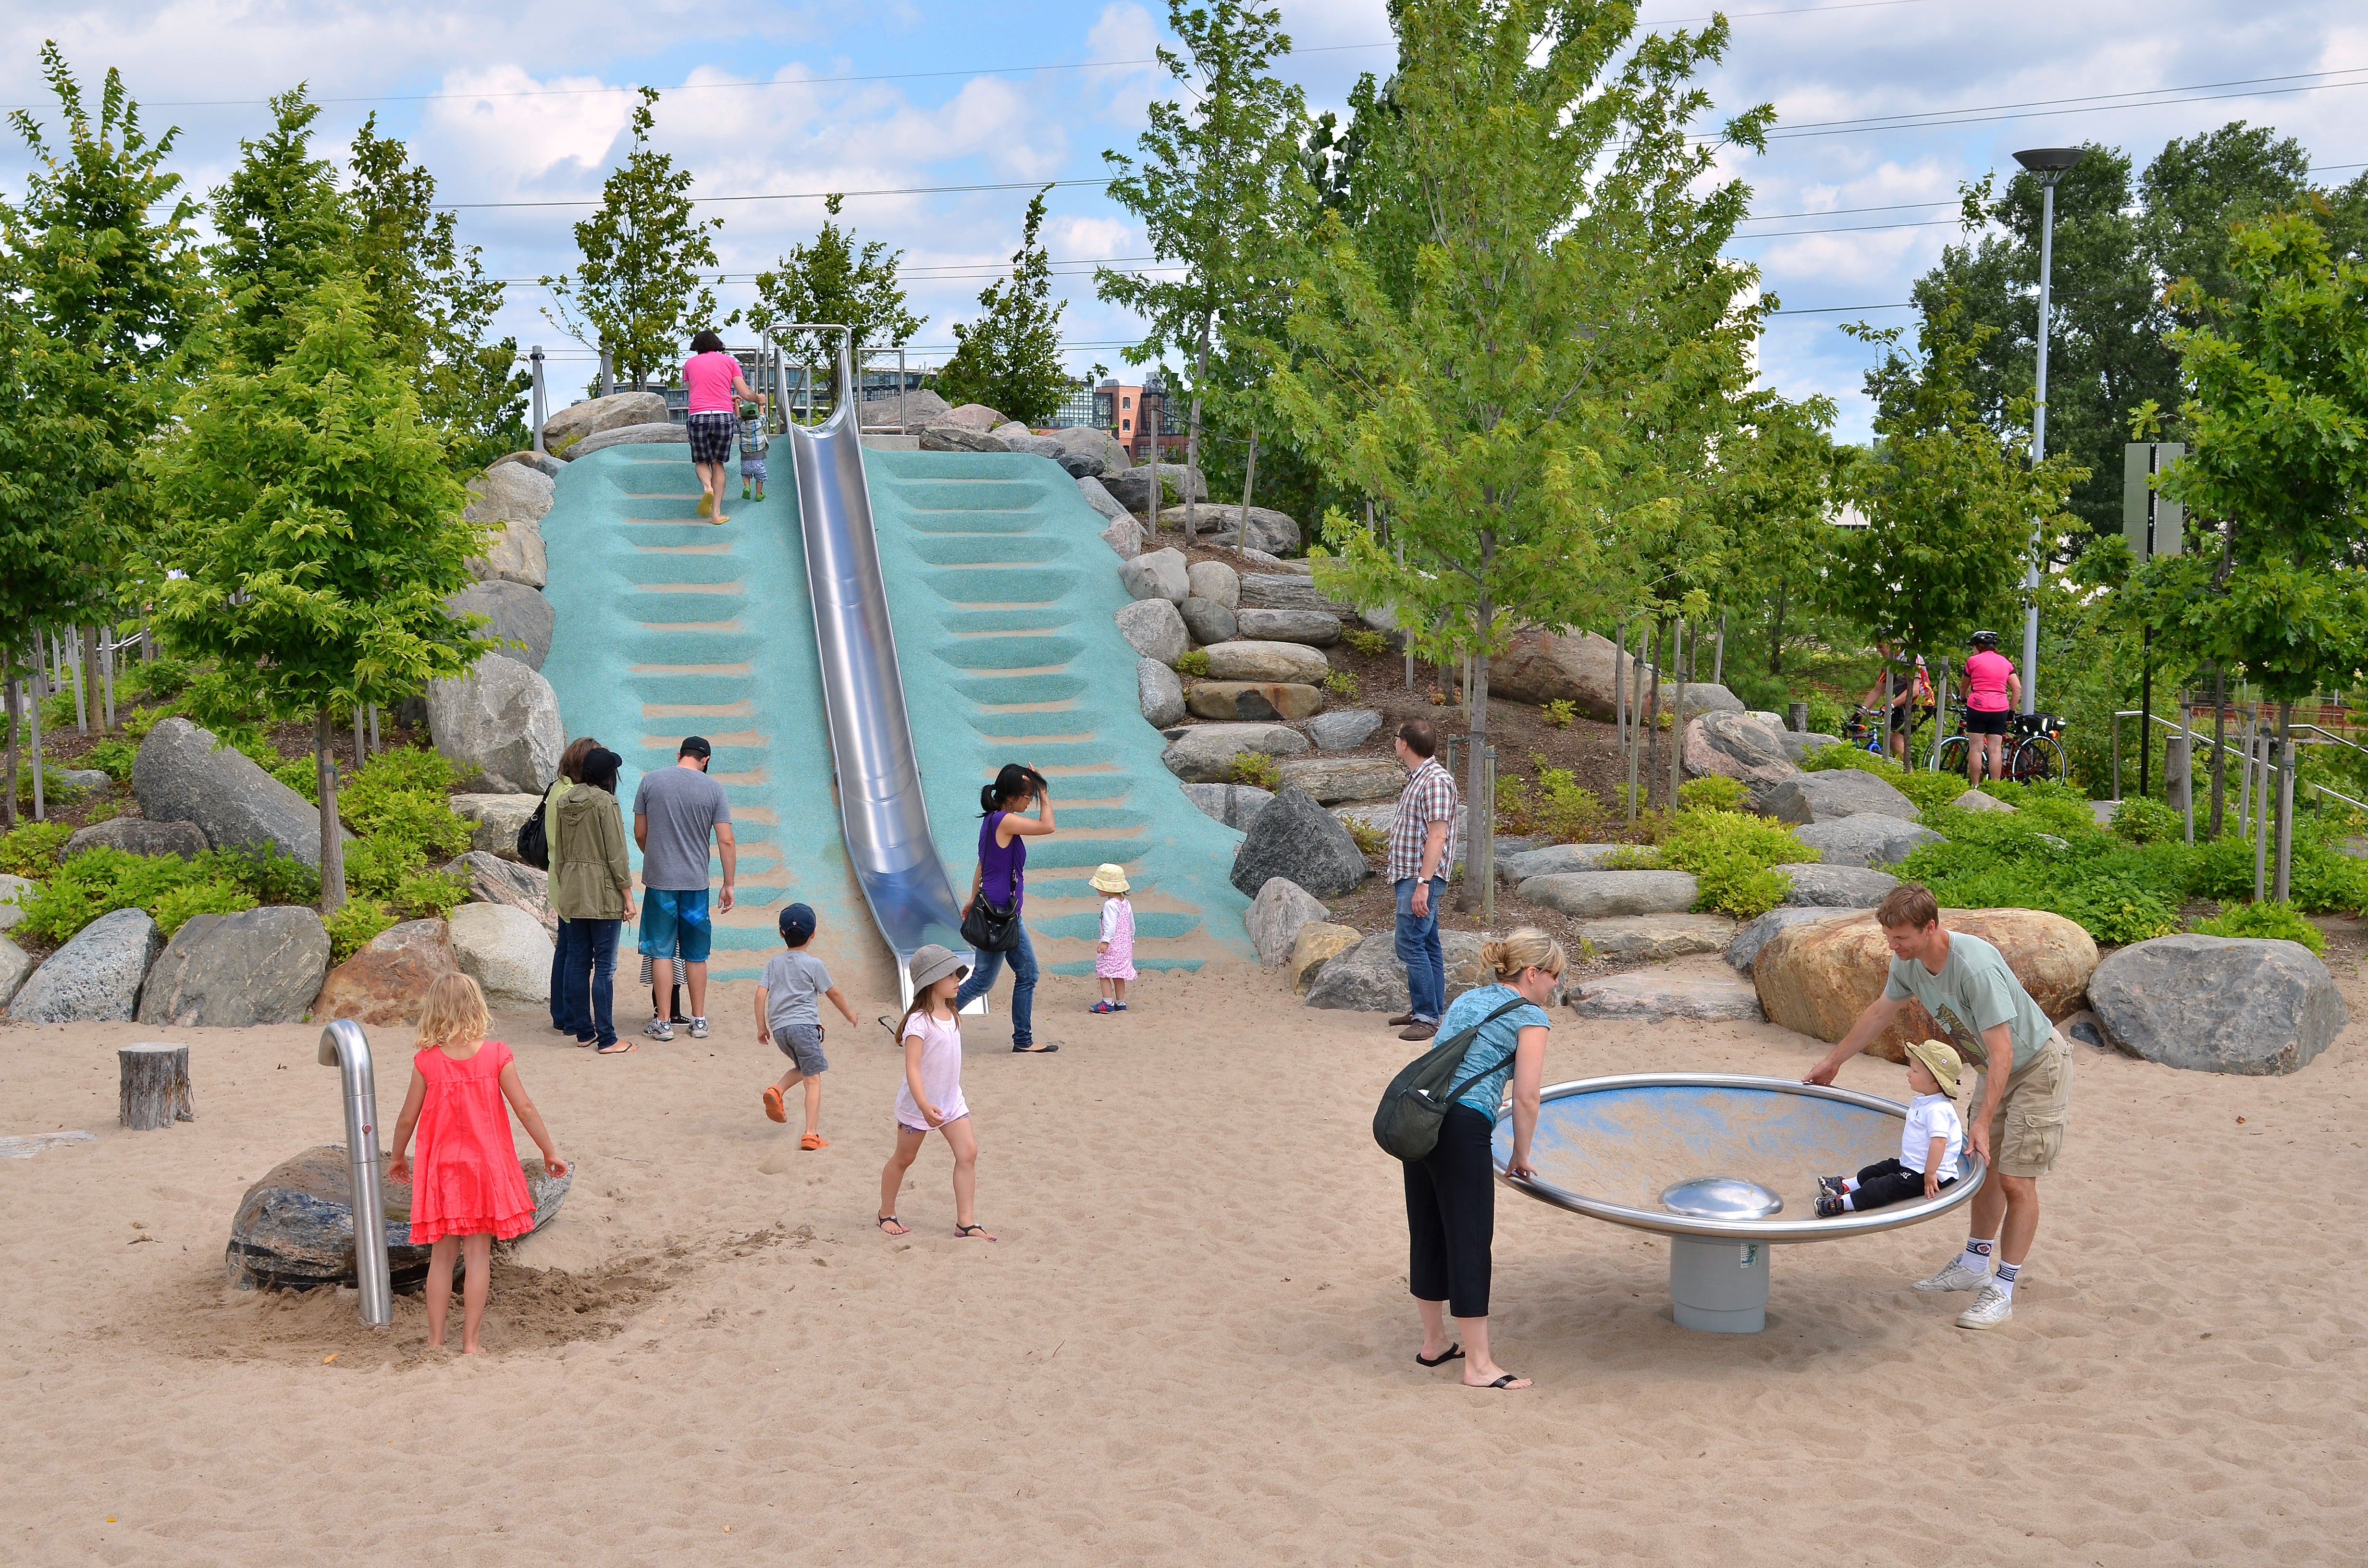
[(352, 927), (1921, 786), (2280, 922), (2142, 821), (1193, 661), (1339, 683), (157, 679), (116, 756), (172, 911), (1557, 806), (375, 867), (1257, 768), (31, 849), (1733, 856), (1373, 644), (271, 875), (300, 774), (99, 881), (1561, 712), (427, 895), (1713, 792), (53, 786), (1827, 717)]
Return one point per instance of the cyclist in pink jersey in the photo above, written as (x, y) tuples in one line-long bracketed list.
[(713, 378), (1992, 690)]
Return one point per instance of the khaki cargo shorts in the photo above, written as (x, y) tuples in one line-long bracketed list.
[(2026, 1133)]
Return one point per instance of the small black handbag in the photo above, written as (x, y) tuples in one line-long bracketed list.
[(991, 929)]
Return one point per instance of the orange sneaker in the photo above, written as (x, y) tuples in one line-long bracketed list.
[(814, 1141), (773, 1106)]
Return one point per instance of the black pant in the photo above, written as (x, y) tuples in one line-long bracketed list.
[(1888, 1181), (1451, 1215)]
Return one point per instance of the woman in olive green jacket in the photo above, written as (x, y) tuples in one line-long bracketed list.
[(591, 887)]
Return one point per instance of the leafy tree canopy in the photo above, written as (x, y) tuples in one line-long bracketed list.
[(831, 280), (284, 229), (1010, 358)]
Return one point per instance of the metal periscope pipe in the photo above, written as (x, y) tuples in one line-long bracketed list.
[(345, 1047)]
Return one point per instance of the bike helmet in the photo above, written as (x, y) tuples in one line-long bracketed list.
[(1987, 641)]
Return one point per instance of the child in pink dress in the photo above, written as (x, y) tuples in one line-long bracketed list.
[(1114, 954), (468, 1188), (932, 1097)]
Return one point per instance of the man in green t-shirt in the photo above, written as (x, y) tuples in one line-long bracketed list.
[(2017, 1125)]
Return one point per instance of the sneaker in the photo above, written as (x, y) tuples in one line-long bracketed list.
[(1103, 1007), (1991, 1307), (1956, 1277), (699, 1028), (1833, 1186), (658, 1029), (1830, 1204)]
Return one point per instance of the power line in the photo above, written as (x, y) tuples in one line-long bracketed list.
[(2090, 104)]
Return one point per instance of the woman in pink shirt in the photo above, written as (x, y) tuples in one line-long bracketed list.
[(711, 377), (1992, 689)]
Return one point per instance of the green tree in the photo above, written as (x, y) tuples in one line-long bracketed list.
[(1948, 502), (1775, 488), (1010, 358), (2276, 376), (636, 293), (830, 280), (283, 229), (1450, 358), (317, 531), (431, 298), (104, 297), (1209, 188)]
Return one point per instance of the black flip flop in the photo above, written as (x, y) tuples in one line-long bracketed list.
[(1034, 1049), (1507, 1381), (1452, 1353)]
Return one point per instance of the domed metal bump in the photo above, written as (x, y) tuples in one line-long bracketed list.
[(1721, 1198)]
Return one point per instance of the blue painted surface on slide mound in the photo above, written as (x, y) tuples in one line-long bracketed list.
[(1004, 597), (666, 625)]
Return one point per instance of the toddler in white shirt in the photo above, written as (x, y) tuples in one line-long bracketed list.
[(1931, 1146)]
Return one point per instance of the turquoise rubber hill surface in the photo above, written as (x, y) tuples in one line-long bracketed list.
[(1003, 595), (666, 625)]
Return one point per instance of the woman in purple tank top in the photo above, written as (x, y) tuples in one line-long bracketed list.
[(1002, 880)]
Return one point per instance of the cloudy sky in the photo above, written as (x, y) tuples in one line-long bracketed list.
[(1884, 105)]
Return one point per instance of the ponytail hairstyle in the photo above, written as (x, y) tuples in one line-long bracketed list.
[(601, 767), (1527, 948), (1015, 784)]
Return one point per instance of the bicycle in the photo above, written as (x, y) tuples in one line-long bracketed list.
[(2033, 751)]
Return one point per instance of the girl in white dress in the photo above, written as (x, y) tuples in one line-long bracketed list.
[(931, 1096)]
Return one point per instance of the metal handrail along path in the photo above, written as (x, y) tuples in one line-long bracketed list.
[(882, 812)]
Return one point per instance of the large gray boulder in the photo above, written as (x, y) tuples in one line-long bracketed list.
[(1800, 745), (1838, 887), (1267, 661), (1099, 497), (1087, 453), (1204, 753), (1289, 590), (1317, 628), (93, 978), (1555, 859), (1343, 729), (1648, 996), (1589, 895), (294, 1229), (1133, 487), (180, 776), (1296, 838), (1209, 621), (489, 879), (259, 966), (1152, 628), (1368, 978), (16, 966), (542, 463), (514, 553), (2235, 1005), (574, 423), (1124, 535), (1216, 581), (513, 612), (509, 492), (1642, 938), (1834, 793), (1587, 671), (1275, 915), (974, 417), (499, 725), (1158, 574), (1332, 779), (909, 409), (17, 892), (1236, 805), (497, 820), (507, 951), (1737, 746), (949, 436), (1160, 691), (658, 432), (1757, 932), (1271, 531), (1867, 839), (138, 835)]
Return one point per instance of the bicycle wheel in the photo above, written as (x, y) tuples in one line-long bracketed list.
[(1954, 755), (2035, 758)]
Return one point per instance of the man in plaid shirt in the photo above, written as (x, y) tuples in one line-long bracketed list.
[(1419, 835)]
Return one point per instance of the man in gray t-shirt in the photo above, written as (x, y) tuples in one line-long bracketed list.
[(675, 811)]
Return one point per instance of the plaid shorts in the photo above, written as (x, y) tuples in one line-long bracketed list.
[(710, 436)]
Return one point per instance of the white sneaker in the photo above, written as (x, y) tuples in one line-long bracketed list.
[(658, 1029), (699, 1028), (1991, 1307), (1956, 1277)]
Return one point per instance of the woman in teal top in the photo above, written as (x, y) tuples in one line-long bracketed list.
[(1451, 1192)]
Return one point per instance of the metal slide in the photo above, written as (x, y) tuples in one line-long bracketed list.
[(879, 805)]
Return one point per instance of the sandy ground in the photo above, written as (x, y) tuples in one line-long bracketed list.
[(1192, 1344)]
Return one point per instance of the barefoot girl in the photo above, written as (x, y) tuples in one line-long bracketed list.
[(468, 1188), (932, 1094)]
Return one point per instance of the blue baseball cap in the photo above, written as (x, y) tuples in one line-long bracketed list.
[(798, 922)]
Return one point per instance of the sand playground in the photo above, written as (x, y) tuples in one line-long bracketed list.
[(1192, 1344)]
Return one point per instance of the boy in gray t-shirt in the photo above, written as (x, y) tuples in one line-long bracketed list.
[(789, 1017)]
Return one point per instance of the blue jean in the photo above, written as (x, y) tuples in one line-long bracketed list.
[(1023, 986), (560, 1020), (591, 980), (1420, 951)]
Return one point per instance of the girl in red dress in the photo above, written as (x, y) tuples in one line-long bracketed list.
[(469, 1189)]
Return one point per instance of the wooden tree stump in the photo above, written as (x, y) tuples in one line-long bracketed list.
[(156, 1086)]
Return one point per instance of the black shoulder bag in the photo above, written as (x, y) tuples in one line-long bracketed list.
[(533, 844), (1406, 1123)]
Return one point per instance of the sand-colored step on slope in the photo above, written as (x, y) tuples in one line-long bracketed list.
[(666, 625), (1003, 595)]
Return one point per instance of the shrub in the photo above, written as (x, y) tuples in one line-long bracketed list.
[(1256, 767), (1370, 841), (172, 911), (1826, 715), (427, 895), (2142, 821), (139, 721), (1733, 856), (1340, 684), (1712, 793), (300, 774), (271, 875), (1923, 787), (1373, 644), (99, 881), (352, 927), (2269, 919), (53, 786), (158, 678), (1561, 712), (1565, 811), (116, 757), (376, 866), (32, 850), (1193, 661)]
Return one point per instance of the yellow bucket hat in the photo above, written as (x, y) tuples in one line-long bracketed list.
[(1948, 1069), (1110, 877)]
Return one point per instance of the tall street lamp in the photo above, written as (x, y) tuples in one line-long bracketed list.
[(2050, 164)]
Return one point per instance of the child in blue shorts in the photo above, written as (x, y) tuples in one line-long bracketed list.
[(753, 443)]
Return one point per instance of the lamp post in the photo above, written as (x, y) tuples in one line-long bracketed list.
[(2050, 163)]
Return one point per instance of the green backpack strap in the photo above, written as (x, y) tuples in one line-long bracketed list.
[(1469, 1035)]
